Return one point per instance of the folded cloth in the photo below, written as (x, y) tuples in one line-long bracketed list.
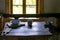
[(15, 21), (6, 31)]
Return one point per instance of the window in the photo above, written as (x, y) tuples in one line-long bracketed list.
[(30, 6), (17, 6), (24, 6)]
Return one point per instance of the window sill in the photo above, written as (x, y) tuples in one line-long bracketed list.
[(26, 18)]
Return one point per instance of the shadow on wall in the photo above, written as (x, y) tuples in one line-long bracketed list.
[(52, 6)]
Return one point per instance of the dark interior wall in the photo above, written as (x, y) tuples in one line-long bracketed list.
[(52, 6), (2, 6)]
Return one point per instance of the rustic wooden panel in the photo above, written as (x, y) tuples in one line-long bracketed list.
[(0, 24), (58, 22), (10, 38), (27, 38)]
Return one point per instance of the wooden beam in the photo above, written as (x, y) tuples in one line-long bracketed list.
[(41, 6), (57, 15)]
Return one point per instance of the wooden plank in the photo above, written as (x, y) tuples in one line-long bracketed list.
[(32, 15)]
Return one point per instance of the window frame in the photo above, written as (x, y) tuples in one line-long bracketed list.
[(24, 7), (39, 10), (39, 6)]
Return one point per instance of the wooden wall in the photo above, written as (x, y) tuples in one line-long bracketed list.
[(1, 25), (26, 38), (58, 22)]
